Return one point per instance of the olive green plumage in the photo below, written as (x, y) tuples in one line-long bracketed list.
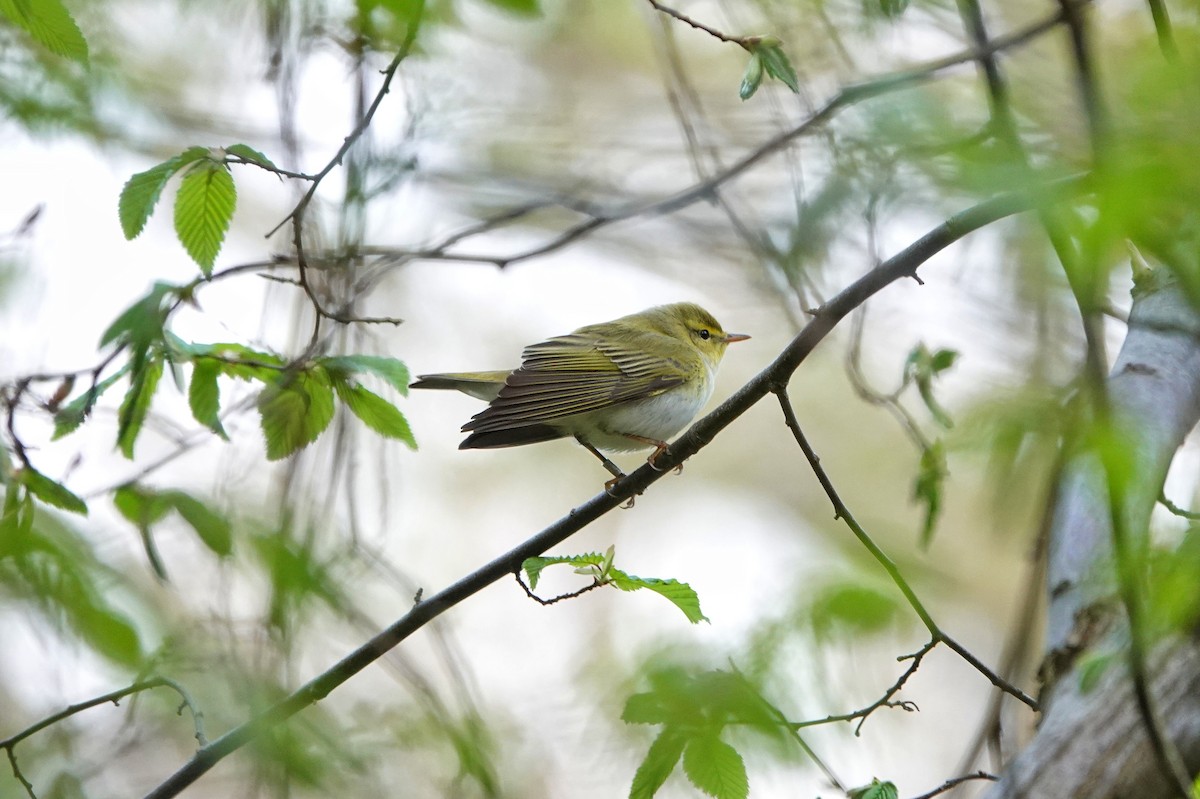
[(621, 385)]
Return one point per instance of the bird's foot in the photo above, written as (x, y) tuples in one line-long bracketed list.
[(608, 489)]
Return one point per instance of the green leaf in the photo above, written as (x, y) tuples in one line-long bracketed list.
[(51, 492), (852, 608), (876, 790), (927, 489), (234, 360), (49, 24), (376, 412), (203, 210), (204, 395), (109, 632), (136, 405), (140, 195), (213, 529), (1091, 668), (752, 77), (680, 594), (942, 360), (390, 369), (776, 64), (646, 708), (658, 763), (533, 566), (294, 410), (68, 418), (892, 9), (140, 506), (247, 153), (142, 322), (715, 767), (524, 8), (921, 367)]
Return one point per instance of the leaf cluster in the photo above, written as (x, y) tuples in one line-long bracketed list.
[(204, 204), (600, 568)]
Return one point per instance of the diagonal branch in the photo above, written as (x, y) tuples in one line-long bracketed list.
[(903, 264)]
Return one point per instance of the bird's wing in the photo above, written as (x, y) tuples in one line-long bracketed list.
[(574, 374)]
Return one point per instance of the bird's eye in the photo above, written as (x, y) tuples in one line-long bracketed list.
[(704, 334)]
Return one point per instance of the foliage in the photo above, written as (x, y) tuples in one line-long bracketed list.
[(843, 173)]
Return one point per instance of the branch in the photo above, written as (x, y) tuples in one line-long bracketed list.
[(954, 783), (298, 213), (840, 511), (9, 744), (883, 701), (848, 96), (700, 26), (904, 264)]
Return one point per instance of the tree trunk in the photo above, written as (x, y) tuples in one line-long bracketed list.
[(1094, 744)]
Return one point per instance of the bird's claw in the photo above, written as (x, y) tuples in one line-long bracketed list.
[(608, 489)]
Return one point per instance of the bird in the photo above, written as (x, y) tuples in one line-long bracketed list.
[(620, 386)]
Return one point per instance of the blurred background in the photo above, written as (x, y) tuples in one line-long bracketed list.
[(567, 110)]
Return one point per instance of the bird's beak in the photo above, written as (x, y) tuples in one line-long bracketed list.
[(732, 337)]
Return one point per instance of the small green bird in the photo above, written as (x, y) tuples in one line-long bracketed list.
[(622, 385)]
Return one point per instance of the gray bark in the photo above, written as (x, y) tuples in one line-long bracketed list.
[(1093, 745)]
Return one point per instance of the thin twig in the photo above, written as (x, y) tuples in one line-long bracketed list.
[(793, 730), (885, 700), (298, 213), (9, 744), (951, 784), (842, 512), (704, 190), (1176, 510), (741, 41), (553, 600)]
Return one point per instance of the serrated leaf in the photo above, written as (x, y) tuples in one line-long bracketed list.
[(49, 24), (645, 708), (927, 489), (204, 395), (294, 410), (390, 369), (68, 418), (140, 194), (715, 768), (203, 210), (234, 360), (680, 594), (752, 77), (657, 765), (136, 405), (51, 492), (248, 153), (375, 412), (212, 528), (775, 63), (533, 566)]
